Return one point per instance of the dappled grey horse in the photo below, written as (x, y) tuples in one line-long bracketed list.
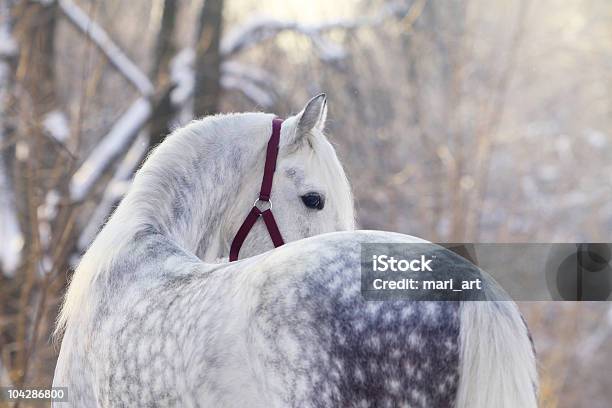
[(156, 316)]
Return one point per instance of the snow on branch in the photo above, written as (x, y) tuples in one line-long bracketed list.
[(10, 233), (182, 75), (261, 96), (252, 91), (263, 28), (252, 73), (8, 45), (55, 124), (113, 145), (104, 43), (255, 83)]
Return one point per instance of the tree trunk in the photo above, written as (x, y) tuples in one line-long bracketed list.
[(208, 59), (165, 48), (34, 97)]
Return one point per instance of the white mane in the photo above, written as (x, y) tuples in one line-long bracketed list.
[(325, 156)]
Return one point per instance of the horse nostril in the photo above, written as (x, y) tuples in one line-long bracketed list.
[(313, 200)]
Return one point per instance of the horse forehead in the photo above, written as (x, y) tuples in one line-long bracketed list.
[(305, 177), (306, 162)]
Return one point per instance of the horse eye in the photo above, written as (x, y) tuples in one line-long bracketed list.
[(313, 200)]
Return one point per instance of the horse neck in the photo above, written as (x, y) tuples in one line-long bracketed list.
[(177, 204), (187, 186)]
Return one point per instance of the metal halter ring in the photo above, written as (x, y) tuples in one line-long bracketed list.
[(263, 208)]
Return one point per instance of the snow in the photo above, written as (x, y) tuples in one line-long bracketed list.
[(262, 28), (46, 214), (8, 45), (5, 379), (181, 72), (253, 31), (102, 40), (118, 139), (596, 138), (48, 210), (10, 233), (254, 74), (56, 124), (8, 48), (255, 83), (328, 51), (251, 90)]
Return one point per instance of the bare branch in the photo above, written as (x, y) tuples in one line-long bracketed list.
[(254, 83), (253, 91), (253, 73), (261, 29), (116, 142), (105, 44)]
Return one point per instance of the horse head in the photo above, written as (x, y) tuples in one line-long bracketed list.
[(310, 193)]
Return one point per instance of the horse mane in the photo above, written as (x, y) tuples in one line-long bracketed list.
[(132, 215), (336, 177), (146, 198)]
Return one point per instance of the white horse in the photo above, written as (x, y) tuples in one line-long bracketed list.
[(152, 316)]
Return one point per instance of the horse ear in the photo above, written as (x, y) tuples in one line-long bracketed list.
[(313, 115)]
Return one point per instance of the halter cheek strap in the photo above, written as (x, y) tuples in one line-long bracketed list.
[(262, 206)]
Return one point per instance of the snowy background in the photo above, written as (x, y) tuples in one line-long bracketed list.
[(474, 120)]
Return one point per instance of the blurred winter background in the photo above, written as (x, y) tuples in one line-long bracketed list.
[(475, 120)]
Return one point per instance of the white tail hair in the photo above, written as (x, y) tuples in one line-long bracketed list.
[(497, 360)]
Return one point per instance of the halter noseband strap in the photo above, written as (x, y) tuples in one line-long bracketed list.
[(260, 208)]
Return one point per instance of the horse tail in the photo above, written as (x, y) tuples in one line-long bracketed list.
[(497, 359)]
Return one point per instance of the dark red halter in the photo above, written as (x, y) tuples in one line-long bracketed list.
[(265, 205)]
